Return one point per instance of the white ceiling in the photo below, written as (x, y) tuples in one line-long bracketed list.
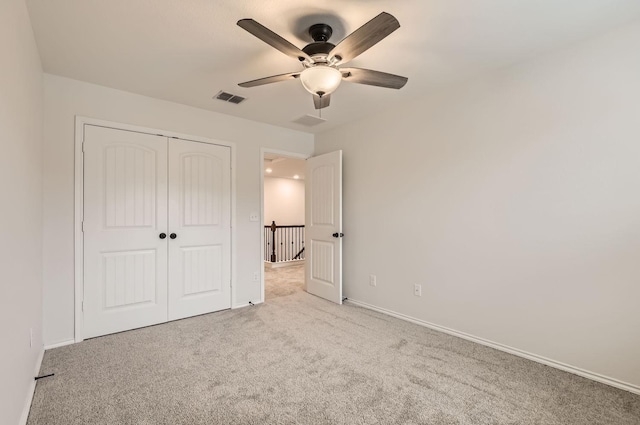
[(186, 51), (284, 167)]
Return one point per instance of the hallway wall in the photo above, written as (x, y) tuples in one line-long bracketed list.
[(283, 201)]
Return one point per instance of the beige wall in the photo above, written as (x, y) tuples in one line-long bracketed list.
[(514, 201), (283, 201), (21, 212), (66, 98)]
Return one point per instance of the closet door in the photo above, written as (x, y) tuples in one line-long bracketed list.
[(199, 228), (125, 215)]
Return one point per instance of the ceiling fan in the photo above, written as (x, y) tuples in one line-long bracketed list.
[(321, 60)]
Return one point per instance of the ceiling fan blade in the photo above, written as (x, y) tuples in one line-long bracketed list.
[(364, 37), (273, 39), (321, 102), (373, 78), (269, 80)]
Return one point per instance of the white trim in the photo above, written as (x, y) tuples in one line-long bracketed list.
[(78, 216), (59, 344), (516, 352), (234, 245), (79, 202), (32, 389), (262, 152), (280, 264)]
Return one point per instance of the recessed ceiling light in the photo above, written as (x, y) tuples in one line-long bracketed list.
[(296, 177), (268, 170)]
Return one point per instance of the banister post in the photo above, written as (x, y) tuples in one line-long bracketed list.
[(273, 241)]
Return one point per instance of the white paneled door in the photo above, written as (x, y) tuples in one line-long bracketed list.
[(200, 223), (323, 234), (156, 229)]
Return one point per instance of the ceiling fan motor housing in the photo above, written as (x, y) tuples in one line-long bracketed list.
[(320, 32), (318, 48)]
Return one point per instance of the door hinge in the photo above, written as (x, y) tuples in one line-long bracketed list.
[(82, 226), (83, 306)]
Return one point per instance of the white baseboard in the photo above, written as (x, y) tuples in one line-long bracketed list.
[(530, 356), (277, 265), (59, 344), (32, 389)]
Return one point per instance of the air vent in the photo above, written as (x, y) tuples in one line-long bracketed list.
[(228, 97), (236, 99), (309, 120)]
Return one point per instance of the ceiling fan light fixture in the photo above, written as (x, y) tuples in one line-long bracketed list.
[(321, 80)]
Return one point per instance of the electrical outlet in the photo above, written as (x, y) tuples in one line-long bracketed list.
[(417, 290), (372, 280), (256, 276), (31, 337)]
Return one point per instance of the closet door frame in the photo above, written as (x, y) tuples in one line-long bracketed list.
[(80, 123)]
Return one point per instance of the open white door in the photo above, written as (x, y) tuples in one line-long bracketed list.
[(323, 217)]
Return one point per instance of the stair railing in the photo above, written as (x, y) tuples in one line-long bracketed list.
[(283, 243)]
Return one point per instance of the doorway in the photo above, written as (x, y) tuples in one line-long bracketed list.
[(283, 216), (322, 224)]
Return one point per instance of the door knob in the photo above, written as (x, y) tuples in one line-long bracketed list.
[(163, 235), (173, 236), (338, 235)]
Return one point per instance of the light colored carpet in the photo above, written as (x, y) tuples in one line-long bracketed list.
[(283, 281), (298, 359)]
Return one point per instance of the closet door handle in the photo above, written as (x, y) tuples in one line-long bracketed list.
[(163, 235), (173, 236)]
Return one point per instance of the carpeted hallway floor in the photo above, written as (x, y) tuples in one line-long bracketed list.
[(298, 359), (283, 281)]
